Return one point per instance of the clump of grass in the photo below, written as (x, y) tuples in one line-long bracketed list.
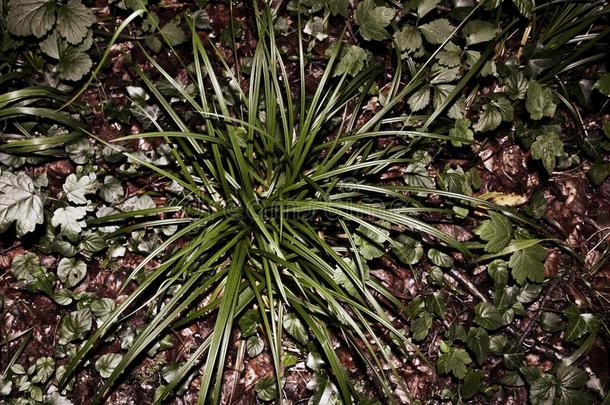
[(265, 184)]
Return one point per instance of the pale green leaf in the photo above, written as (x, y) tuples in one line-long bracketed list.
[(71, 271), (74, 20), (31, 17), (478, 31), (69, 219), (437, 31), (408, 39), (77, 188), (547, 147), (373, 19), (19, 203), (107, 363)]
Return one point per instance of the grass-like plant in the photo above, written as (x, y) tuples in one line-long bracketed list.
[(271, 181)]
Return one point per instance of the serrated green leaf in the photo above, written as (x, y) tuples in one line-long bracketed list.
[(420, 99), (172, 33), (107, 363), (71, 272), (461, 129), (454, 361), (421, 326), (74, 65), (437, 31), (408, 39), (539, 101), (478, 31), (74, 20), (547, 147), (497, 231), (45, 367), (528, 264), (53, 45), (19, 203), (31, 17), (352, 61), (372, 20)]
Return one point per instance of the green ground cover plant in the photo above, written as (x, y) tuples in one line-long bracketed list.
[(268, 197)]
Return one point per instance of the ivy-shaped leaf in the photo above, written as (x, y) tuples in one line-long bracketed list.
[(439, 258), (547, 147), (373, 19), (478, 342), (77, 188), (370, 243), (254, 346), (493, 114), (107, 363), (71, 272), (295, 328), (488, 316), (75, 326), (409, 251), (497, 231), (69, 219)]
